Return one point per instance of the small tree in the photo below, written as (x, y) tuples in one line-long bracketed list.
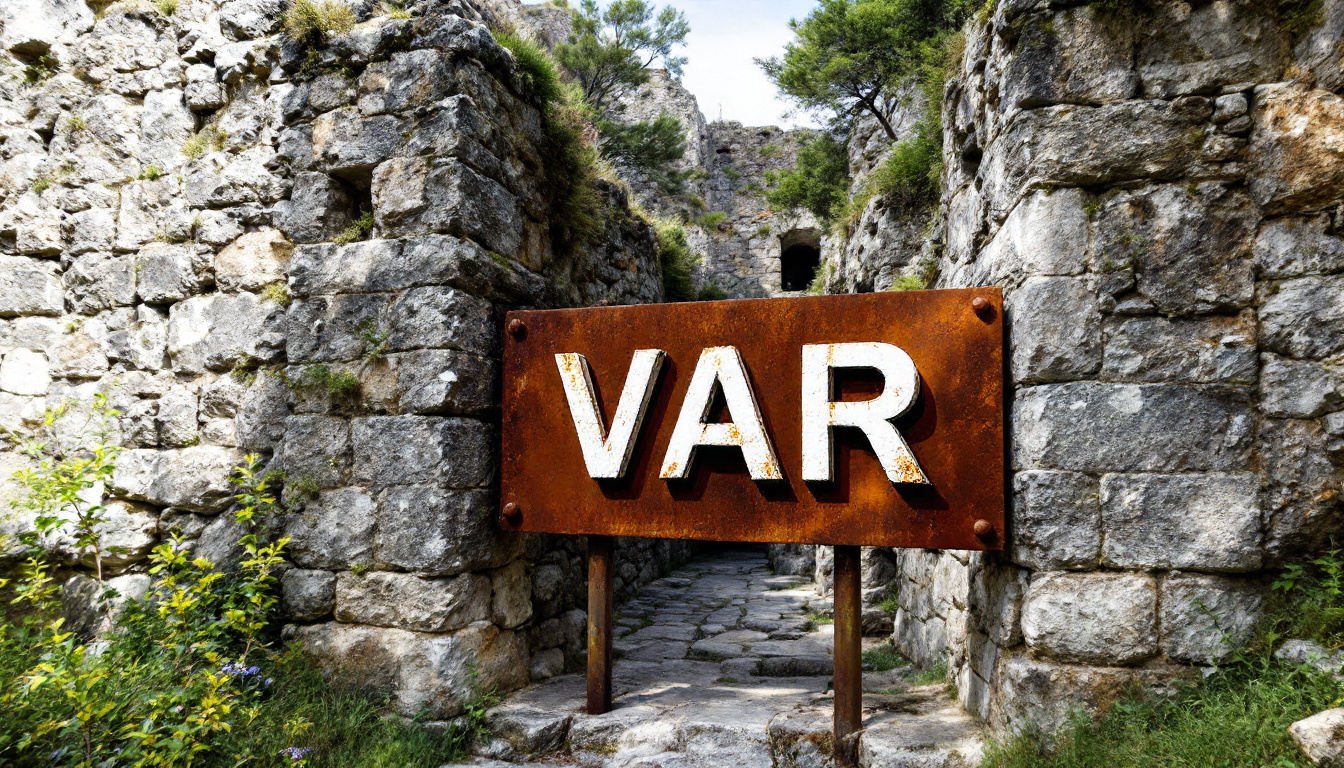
[(609, 52), (818, 182), (853, 56), (650, 148)]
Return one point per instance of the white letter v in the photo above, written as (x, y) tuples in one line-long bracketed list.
[(608, 455)]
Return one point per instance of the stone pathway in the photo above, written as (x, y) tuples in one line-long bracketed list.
[(726, 664)]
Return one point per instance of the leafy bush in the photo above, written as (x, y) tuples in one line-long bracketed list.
[(315, 22), (710, 220), (818, 182), (675, 257), (188, 676), (711, 292)]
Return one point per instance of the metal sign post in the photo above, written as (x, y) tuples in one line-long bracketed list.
[(861, 420)]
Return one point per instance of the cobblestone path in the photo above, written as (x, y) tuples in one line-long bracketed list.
[(725, 664)]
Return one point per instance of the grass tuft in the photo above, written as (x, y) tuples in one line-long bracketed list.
[(358, 230), (315, 22), (883, 658)]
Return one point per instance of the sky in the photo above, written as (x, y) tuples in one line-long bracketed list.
[(725, 38), (726, 35)]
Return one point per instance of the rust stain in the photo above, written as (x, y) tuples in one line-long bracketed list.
[(955, 429)]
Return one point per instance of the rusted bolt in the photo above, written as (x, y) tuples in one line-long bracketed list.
[(981, 305), (984, 529), (511, 514), (517, 329)]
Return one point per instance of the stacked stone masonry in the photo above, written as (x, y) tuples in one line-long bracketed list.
[(1158, 193), (172, 190)]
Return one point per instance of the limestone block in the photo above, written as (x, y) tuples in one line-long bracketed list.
[(1096, 427), (1198, 48), (1045, 695), (218, 179), (433, 531), (129, 533), (995, 603), (307, 595), (404, 601), (408, 80), (31, 27), (447, 318), (195, 479), (1091, 618), (1204, 521), (1297, 148), (318, 209), (1189, 248), (29, 287), (345, 143), (390, 265), (416, 196), (248, 19), (253, 261), (1215, 349), (1082, 146), (1205, 618), (169, 272), (141, 341), (315, 450), (219, 331), (1300, 652), (1078, 55), (1046, 234), (216, 228), (101, 280), (443, 381), (1044, 346), (547, 664), (335, 328), (1303, 486), (393, 450), (204, 92), (151, 209), (1321, 737), (511, 590), (433, 674), (94, 229), (221, 397), (1296, 246), (165, 125), (262, 413), (1300, 389), (1305, 317), (1057, 520), (25, 372), (334, 530)]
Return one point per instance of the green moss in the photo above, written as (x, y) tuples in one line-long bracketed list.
[(41, 185), (358, 230), (278, 293), (152, 172)]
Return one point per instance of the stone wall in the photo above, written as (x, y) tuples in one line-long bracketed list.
[(1158, 193), (171, 196)]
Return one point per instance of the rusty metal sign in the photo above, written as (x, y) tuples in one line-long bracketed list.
[(870, 419)]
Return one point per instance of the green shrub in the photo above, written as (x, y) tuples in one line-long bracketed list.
[(676, 260), (539, 78), (41, 184), (320, 377), (908, 283), (818, 182), (883, 658), (649, 148), (166, 7), (818, 285), (711, 292), (278, 293), (315, 22), (152, 172), (710, 221), (359, 229)]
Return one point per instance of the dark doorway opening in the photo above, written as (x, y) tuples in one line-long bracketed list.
[(798, 266)]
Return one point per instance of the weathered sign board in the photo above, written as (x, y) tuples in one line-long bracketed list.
[(861, 420), (871, 419)]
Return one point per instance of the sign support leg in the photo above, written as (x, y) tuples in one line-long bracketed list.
[(848, 654), (600, 572)]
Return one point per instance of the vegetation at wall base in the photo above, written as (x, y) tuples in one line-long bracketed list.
[(676, 260), (1237, 717), (189, 674)]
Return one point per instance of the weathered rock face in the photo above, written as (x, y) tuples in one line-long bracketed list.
[(171, 187), (1157, 191)]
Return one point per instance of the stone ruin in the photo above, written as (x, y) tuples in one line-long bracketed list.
[(1157, 191)]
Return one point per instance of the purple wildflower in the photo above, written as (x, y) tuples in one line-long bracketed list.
[(296, 753)]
